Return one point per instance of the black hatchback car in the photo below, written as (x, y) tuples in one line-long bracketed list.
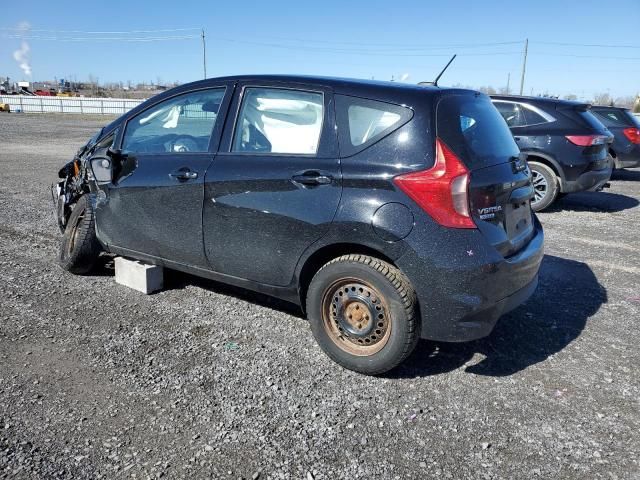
[(566, 145), (387, 212), (625, 149)]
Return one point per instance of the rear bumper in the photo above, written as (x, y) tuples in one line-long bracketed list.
[(626, 155), (465, 301), (589, 181)]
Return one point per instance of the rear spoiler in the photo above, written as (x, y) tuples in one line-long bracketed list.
[(578, 107)]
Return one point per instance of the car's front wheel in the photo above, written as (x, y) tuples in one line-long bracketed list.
[(362, 312), (80, 249), (545, 186)]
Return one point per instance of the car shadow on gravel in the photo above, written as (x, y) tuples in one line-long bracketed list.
[(104, 267), (175, 280), (626, 175), (568, 295), (594, 202)]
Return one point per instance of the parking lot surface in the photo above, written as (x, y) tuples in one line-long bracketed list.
[(205, 381)]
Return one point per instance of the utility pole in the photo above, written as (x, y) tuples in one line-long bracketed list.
[(524, 65), (204, 55), (508, 82)]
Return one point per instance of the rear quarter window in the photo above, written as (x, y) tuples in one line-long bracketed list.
[(472, 127), (363, 122), (591, 120)]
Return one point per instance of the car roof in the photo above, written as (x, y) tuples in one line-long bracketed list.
[(393, 92), (550, 102), (339, 84)]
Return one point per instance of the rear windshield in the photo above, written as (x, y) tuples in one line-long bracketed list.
[(635, 120), (612, 117), (472, 127)]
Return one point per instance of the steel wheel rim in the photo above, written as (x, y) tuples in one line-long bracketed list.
[(540, 186), (356, 317)]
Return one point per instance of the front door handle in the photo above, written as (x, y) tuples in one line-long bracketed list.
[(312, 178), (184, 174)]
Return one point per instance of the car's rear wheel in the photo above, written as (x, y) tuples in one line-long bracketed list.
[(545, 186), (80, 249), (362, 312)]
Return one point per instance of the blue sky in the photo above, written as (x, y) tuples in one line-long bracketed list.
[(359, 39)]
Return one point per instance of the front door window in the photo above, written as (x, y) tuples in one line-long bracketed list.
[(181, 124)]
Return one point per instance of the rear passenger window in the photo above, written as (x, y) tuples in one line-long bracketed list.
[(519, 115), (533, 118), (362, 122), (512, 113), (281, 121)]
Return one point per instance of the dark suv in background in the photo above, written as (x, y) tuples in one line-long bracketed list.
[(625, 149), (566, 145), (388, 212)]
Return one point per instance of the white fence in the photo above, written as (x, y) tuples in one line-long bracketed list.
[(98, 106)]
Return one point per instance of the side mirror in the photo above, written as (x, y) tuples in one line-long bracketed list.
[(102, 169)]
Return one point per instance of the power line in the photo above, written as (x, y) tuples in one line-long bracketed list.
[(350, 50), (110, 39), (596, 45), (552, 54), (401, 46), (27, 30)]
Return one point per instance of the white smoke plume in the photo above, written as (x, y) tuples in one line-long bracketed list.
[(22, 55)]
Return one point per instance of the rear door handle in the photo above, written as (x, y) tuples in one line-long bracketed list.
[(312, 178), (184, 174)]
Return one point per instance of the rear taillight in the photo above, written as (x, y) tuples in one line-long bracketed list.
[(443, 190), (633, 134), (587, 140)]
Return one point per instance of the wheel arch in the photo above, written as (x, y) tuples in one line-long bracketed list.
[(325, 254), (548, 161)]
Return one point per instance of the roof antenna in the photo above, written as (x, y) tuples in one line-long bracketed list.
[(435, 82)]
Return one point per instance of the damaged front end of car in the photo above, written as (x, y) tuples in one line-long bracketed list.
[(74, 183)]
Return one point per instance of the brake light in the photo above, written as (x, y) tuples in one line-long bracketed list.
[(633, 134), (443, 190), (587, 140)]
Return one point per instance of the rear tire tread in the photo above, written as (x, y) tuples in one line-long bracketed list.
[(403, 287), (552, 184)]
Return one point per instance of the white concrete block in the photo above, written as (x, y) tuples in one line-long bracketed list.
[(137, 275)]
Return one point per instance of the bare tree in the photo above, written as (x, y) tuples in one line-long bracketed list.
[(488, 90), (636, 105), (602, 99)]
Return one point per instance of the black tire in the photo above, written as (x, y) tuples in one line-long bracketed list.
[(388, 307), (79, 249), (545, 184)]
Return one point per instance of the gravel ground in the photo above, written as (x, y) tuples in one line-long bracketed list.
[(204, 381)]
